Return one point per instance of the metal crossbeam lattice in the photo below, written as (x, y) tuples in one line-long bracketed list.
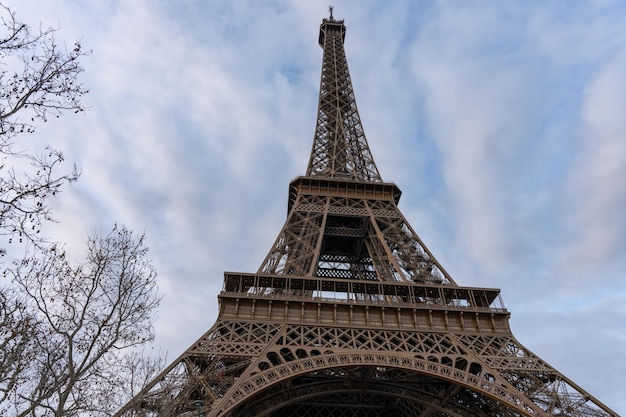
[(350, 314), (340, 149)]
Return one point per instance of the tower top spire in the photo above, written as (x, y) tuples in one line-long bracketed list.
[(340, 150)]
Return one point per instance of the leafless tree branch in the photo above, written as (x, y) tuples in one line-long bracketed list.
[(38, 79), (90, 320)]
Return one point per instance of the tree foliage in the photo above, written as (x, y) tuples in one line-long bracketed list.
[(37, 75), (71, 334), (71, 349), (38, 79)]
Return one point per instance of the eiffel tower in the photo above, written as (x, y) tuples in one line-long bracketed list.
[(350, 314)]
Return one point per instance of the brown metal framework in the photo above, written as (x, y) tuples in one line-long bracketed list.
[(350, 314)]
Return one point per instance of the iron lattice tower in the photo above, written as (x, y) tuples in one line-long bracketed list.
[(350, 314)]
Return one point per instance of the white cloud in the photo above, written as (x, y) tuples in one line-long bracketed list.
[(597, 191), (477, 102)]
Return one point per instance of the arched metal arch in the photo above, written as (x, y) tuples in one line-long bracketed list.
[(493, 387), (281, 399)]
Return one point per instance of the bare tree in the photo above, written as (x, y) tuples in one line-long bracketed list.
[(82, 355), (71, 335), (38, 79), (17, 335)]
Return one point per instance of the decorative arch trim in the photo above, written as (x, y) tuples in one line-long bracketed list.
[(493, 387)]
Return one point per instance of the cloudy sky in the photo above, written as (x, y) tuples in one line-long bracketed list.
[(502, 122)]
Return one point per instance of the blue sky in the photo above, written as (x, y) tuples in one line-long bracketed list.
[(502, 122)]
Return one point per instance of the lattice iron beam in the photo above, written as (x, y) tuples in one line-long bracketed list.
[(350, 314), (340, 149)]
